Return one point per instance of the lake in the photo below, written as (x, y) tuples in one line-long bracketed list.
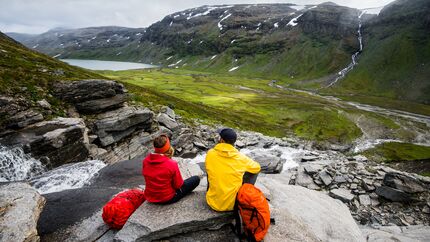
[(106, 65)]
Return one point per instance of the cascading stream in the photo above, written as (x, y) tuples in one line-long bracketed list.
[(15, 165), (351, 66)]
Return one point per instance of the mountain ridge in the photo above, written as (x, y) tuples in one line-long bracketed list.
[(302, 46)]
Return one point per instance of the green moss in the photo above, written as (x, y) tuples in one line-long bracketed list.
[(425, 174), (393, 152), (327, 126)]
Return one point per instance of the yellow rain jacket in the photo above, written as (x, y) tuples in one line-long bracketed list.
[(225, 167)]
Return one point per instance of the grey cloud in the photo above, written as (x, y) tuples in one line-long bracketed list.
[(31, 16)]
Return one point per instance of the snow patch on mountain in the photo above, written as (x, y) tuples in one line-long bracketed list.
[(224, 18), (293, 22), (233, 69)]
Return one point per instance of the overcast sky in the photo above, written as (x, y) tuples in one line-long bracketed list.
[(37, 16)]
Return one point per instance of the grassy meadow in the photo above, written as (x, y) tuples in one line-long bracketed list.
[(245, 103)]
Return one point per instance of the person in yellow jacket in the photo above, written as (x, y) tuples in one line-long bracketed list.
[(227, 170)]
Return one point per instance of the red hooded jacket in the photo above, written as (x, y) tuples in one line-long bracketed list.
[(162, 178)]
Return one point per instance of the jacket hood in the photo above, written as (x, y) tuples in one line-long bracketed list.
[(156, 158), (226, 150)]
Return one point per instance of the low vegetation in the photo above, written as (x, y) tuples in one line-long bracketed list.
[(395, 152), (29, 73), (247, 103), (402, 156)]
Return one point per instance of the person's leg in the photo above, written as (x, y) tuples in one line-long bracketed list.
[(189, 185), (250, 178)]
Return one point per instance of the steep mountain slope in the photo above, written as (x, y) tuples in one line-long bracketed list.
[(280, 40), (109, 42), (20, 37), (24, 68), (284, 41), (395, 62), (26, 77)]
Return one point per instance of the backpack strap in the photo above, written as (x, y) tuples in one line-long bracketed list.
[(238, 223)]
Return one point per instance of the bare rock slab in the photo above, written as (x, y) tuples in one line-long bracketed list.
[(270, 163), (404, 183), (342, 194), (151, 221), (393, 194), (92, 96), (20, 207), (312, 169), (167, 121), (61, 140), (306, 215), (118, 124), (325, 177), (412, 233), (303, 179)]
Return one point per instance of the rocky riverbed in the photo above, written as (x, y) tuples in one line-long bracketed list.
[(78, 163)]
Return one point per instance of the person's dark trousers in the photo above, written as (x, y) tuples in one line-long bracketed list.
[(249, 178), (189, 185)]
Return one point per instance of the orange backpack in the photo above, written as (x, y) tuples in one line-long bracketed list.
[(254, 212)]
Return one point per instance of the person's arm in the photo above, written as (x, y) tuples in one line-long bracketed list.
[(177, 178), (251, 165)]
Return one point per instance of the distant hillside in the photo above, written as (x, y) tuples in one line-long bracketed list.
[(395, 62), (301, 46), (23, 38), (112, 43), (281, 40), (29, 73)]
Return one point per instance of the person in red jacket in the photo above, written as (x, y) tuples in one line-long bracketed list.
[(163, 179)]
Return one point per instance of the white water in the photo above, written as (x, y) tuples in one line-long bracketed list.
[(15, 165), (351, 66), (291, 155), (68, 176), (366, 144)]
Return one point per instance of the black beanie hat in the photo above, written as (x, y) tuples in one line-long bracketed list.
[(228, 135)]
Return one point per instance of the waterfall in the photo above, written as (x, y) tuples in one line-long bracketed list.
[(349, 68), (68, 176), (15, 165)]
